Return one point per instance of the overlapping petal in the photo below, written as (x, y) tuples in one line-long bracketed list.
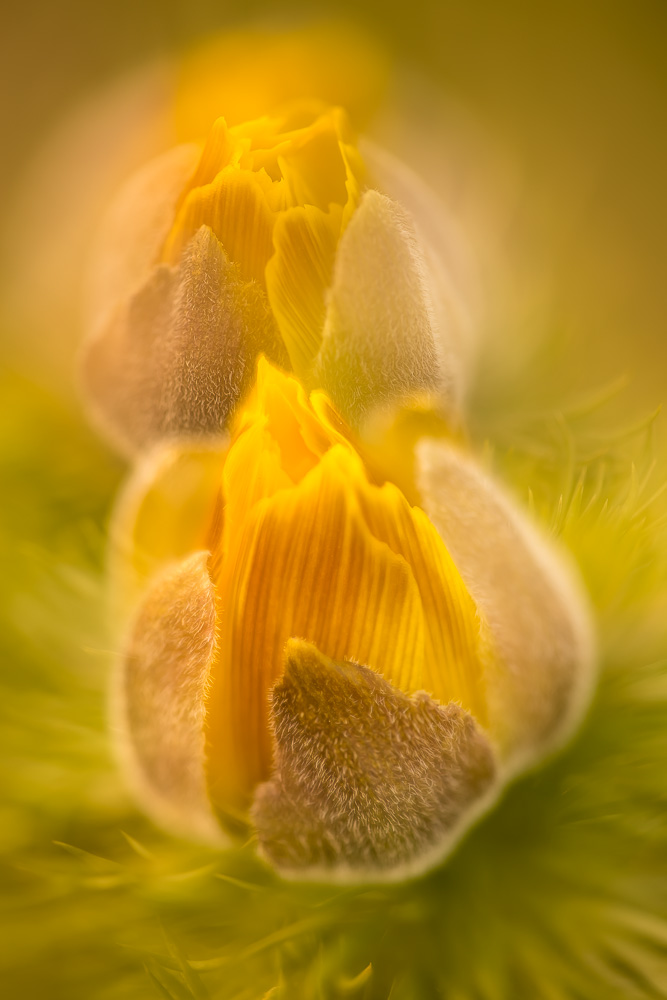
[(314, 549)]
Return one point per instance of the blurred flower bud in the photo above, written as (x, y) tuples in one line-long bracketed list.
[(271, 239)]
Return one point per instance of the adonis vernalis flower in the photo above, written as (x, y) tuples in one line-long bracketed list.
[(277, 237), (354, 666)]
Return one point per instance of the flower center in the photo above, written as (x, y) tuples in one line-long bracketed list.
[(277, 193)]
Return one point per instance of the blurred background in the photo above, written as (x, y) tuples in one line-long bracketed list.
[(544, 127), (574, 93)]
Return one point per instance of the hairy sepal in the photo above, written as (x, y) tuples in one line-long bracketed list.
[(158, 705), (379, 345), (175, 358), (449, 271), (532, 599), (368, 783)]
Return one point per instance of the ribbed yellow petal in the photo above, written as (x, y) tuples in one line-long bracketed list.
[(323, 174), (298, 275), (313, 549), (313, 166), (280, 436), (304, 564), (222, 149), (235, 205), (454, 651)]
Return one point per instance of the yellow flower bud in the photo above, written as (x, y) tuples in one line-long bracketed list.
[(356, 670), (272, 238)]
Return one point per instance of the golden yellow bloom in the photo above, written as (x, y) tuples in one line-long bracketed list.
[(329, 649), (277, 194), (274, 236)]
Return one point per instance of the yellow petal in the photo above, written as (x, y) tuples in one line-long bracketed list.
[(159, 704), (313, 165), (366, 780), (457, 649), (279, 437), (298, 275), (323, 173), (166, 512), (532, 600), (236, 206), (321, 553), (221, 149)]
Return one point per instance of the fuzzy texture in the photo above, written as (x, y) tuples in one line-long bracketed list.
[(367, 781), (160, 698), (449, 270), (372, 309), (384, 590), (379, 347), (557, 893), (540, 680), (177, 356)]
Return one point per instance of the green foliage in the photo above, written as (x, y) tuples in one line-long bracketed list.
[(559, 894)]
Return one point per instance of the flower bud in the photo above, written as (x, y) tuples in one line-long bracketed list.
[(354, 672), (273, 238)]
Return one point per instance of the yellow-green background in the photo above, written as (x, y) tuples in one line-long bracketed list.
[(561, 894)]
